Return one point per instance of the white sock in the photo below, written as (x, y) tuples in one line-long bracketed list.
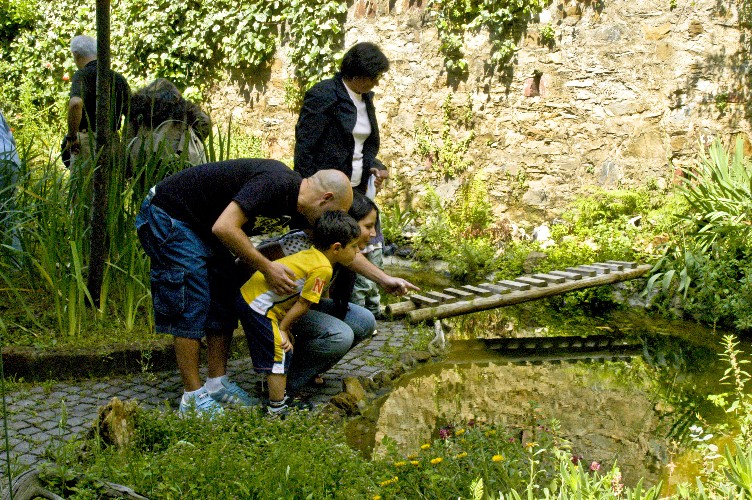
[(213, 384), (188, 395)]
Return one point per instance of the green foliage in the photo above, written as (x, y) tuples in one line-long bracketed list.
[(315, 37), (460, 231), (194, 45), (706, 259), (446, 154), (15, 16), (547, 35), (505, 22)]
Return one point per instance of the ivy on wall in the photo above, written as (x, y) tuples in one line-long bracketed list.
[(193, 43), (505, 21)]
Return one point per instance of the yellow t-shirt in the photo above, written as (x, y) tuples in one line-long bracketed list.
[(312, 274)]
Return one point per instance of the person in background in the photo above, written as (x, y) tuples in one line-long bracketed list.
[(337, 129), (159, 114), (10, 163), (267, 317), (82, 106)]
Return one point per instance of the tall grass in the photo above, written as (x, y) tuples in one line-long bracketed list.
[(45, 243)]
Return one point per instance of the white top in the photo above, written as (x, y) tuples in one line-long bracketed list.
[(360, 133)]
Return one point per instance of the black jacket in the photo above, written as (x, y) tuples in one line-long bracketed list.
[(323, 134)]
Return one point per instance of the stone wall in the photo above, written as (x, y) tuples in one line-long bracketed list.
[(626, 96)]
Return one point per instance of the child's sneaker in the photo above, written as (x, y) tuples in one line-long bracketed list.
[(280, 409), (231, 393), (201, 403)]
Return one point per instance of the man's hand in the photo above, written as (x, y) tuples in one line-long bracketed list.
[(379, 176), (280, 278), (286, 339), (74, 145), (398, 286)]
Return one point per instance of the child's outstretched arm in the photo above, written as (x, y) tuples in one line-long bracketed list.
[(296, 311)]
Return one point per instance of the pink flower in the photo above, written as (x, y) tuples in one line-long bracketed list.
[(445, 432), (48, 65), (66, 77), (594, 466)]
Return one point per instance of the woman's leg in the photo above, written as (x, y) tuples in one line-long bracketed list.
[(321, 340)]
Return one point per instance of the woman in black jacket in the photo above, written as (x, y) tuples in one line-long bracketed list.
[(337, 129)]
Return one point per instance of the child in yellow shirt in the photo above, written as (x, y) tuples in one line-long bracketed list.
[(268, 316)]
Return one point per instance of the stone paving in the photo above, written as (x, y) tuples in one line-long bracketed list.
[(48, 414)]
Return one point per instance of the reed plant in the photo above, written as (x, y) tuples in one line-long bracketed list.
[(46, 247)]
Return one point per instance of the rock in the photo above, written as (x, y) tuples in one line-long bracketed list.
[(115, 424), (532, 260), (346, 402), (382, 379), (353, 387)]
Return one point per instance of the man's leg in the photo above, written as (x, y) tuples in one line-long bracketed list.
[(217, 352), (187, 354)]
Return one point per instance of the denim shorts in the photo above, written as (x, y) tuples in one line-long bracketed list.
[(189, 288)]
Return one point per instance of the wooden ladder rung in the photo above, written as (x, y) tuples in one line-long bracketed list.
[(478, 291), (613, 267), (627, 265), (498, 289), (514, 285), (421, 300), (441, 297), (532, 281), (551, 278), (590, 270), (567, 275), (462, 294)]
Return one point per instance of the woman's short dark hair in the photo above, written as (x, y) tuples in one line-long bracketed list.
[(361, 206), (364, 59)]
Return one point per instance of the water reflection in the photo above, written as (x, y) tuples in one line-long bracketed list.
[(632, 410)]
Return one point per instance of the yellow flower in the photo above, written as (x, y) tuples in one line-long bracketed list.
[(425, 446), (389, 481), (459, 432), (497, 458), (400, 464), (415, 462), (530, 445), (436, 460), (412, 456), (376, 497), (491, 433), (461, 455)]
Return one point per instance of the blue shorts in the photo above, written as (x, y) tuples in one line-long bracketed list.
[(264, 342), (189, 287)]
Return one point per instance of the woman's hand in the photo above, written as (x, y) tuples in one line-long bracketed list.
[(398, 286), (379, 176)]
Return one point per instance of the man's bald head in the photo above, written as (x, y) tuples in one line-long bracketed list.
[(324, 190)]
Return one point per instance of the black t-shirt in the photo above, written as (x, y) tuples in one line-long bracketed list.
[(266, 190), (84, 85)]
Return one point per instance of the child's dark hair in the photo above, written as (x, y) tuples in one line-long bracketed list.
[(334, 227), (361, 206)]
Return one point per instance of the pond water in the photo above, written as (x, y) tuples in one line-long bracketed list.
[(627, 393)]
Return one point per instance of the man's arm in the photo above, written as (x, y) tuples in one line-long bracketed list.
[(75, 113), (229, 229), (391, 284)]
